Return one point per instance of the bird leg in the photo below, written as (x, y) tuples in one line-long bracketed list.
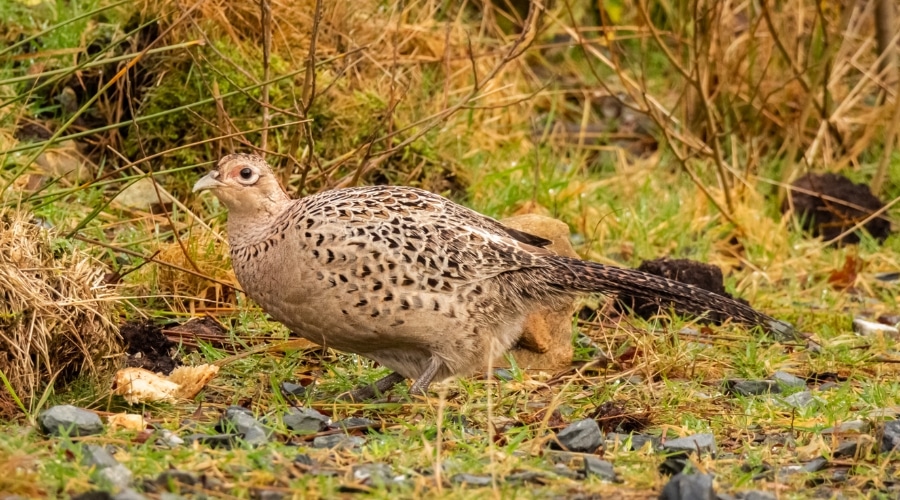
[(420, 386), (380, 386)]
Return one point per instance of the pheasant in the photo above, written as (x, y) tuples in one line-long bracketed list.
[(410, 279)]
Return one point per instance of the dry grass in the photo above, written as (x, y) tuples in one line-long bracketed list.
[(57, 318)]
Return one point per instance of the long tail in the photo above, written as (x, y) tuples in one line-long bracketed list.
[(593, 277)]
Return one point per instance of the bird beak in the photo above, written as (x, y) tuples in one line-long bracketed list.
[(208, 181)]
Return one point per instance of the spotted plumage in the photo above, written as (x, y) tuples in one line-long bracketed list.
[(408, 278)]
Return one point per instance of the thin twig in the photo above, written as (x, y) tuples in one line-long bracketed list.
[(265, 17)]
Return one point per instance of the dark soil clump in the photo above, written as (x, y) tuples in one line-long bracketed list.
[(836, 205), (148, 347)]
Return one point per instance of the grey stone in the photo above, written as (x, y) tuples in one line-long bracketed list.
[(858, 426), (814, 465), (524, 477), (800, 400), (117, 475), (594, 466), (846, 448), (470, 480), (267, 495), (890, 436), (375, 474), (786, 379), (564, 471), (165, 437), (69, 420), (339, 441), (304, 460), (354, 423), (504, 374), (97, 456), (638, 441), (241, 420), (292, 389), (689, 487), (703, 443), (582, 436), (828, 386), (305, 421), (870, 328), (754, 387), (223, 441)]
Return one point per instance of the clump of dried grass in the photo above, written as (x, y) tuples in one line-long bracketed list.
[(57, 317)]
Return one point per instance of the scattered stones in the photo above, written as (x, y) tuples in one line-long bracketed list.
[(857, 426), (689, 487), (304, 460), (338, 441), (292, 389), (594, 466), (470, 480), (355, 423), (223, 441), (109, 470), (638, 441), (375, 474), (890, 436), (118, 476), (583, 436), (69, 421), (241, 421), (870, 328), (305, 421), (754, 387), (786, 379), (702, 443)]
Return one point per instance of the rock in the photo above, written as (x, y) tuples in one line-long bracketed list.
[(375, 474), (756, 495), (870, 328), (814, 465), (143, 194), (504, 374), (118, 476), (355, 423), (846, 448), (97, 456), (305, 421), (785, 379), (304, 460), (128, 494), (638, 441), (242, 421), (519, 478), (292, 389), (594, 466), (564, 471), (702, 443), (754, 387), (857, 426), (890, 436), (69, 421), (800, 400), (338, 441), (168, 438), (470, 480), (546, 341), (583, 436), (223, 441), (267, 495), (168, 479), (689, 487)]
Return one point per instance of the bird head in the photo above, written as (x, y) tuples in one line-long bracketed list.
[(245, 184)]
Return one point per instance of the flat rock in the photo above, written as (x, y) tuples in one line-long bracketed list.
[(470, 480), (355, 423), (890, 436), (754, 387), (594, 466), (786, 379), (223, 441), (97, 456), (857, 426), (117, 475), (128, 494), (292, 389), (756, 495), (871, 328), (375, 474), (338, 441), (305, 421), (638, 441), (583, 436), (703, 443), (70, 421), (689, 487), (242, 421), (800, 400)]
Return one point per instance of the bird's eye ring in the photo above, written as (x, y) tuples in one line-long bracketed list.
[(246, 173)]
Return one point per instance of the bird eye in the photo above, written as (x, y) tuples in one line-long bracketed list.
[(246, 173)]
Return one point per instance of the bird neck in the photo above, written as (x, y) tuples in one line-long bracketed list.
[(249, 224)]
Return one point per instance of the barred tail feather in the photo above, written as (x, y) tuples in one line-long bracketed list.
[(593, 277)]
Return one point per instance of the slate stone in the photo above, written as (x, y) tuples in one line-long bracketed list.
[(858, 426), (267, 495), (292, 389), (470, 480), (814, 465), (583, 436), (754, 387), (168, 438), (594, 466), (339, 441), (355, 423), (756, 495), (846, 448), (374, 474), (88, 495), (97, 456), (704, 443), (890, 436), (638, 441), (242, 421), (689, 487), (221, 441), (524, 477), (304, 460), (117, 475), (69, 420), (305, 421), (786, 379), (128, 494), (564, 471), (800, 400)]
